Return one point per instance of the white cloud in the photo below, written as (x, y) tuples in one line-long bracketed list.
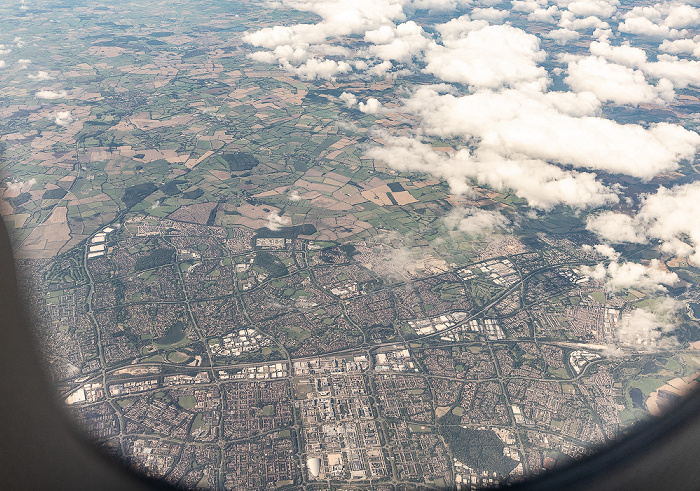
[(294, 196), (681, 72), (663, 20), (544, 126), (544, 15), (615, 227), (400, 43), (439, 5), (2, 63), (21, 186), (63, 118), (492, 15), (681, 15), (568, 21), (383, 35), (349, 99), (372, 106), (669, 216), (289, 45), (645, 329), (525, 6), (276, 222), (645, 27), (614, 83), (542, 185), (623, 55), (273, 37), (680, 46), (360, 64), (316, 68), (545, 146), (607, 251), (491, 57), (475, 221), (562, 36), (603, 35), (618, 276), (597, 8), (40, 76), (380, 69), (51, 94), (343, 17), (459, 27), (339, 17)]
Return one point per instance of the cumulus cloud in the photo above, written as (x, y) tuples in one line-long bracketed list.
[(545, 146), (646, 27), (569, 21), (614, 83), (527, 6), (51, 94), (663, 20), (372, 106), (607, 251), (380, 69), (647, 329), (291, 45), (669, 216), (399, 43), (460, 27), (294, 196), (681, 15), (349, 99), (541, 184), (63, 118), (553, 127), (492, 15), (4, 49), (2, 63), (276, 222), (562, 36), (344, 17), (490, 57), (615, 227), (623, 55), (544, 15), (681, 72), (682, 46), (317, 68), (21, 186), (475, 221), (439, 5), (618, 276), (596, 8), (276, 36), (40, 75)]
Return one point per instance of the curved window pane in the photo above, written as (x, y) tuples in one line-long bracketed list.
[(387, 242)]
